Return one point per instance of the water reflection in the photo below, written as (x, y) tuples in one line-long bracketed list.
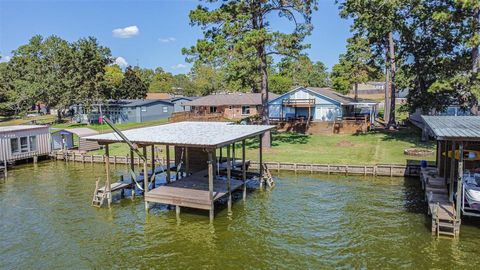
[(306, 221)]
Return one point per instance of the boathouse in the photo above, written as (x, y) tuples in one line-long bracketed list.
[(207, 173), (24, 142), (73, 138), (452, 188)]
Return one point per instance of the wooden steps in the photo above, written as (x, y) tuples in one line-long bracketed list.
[(100, 194), (444, 216)]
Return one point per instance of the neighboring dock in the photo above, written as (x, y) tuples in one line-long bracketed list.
[(440, 207)]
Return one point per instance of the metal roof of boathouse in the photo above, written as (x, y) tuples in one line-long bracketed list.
[(454, 127), (195, 134)]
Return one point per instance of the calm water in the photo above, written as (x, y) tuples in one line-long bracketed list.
[(306, 222)]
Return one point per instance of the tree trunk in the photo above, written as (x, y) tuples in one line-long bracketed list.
[(386, 103), (355, 97), (475, 55), (59, 115), (257, 23), (391, 119)]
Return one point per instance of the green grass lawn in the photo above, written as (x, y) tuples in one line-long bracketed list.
[(372, 148), (41, 119)]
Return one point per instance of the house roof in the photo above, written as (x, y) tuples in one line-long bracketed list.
[(80, 132), (454, 127), (159, 96), (230, 99), (195, 134), (185, 98), (137, 102), (329, 93), (332, 95), (6, 129)]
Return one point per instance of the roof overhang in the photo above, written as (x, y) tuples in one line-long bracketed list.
[(187, 134), (453, 128)]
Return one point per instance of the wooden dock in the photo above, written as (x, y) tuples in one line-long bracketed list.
[(440, 206), (191, 191)]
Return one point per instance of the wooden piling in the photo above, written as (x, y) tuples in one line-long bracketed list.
[(244, 172), (229, 171), (145, 176), (107, 168), (210, 185), (167, 152)]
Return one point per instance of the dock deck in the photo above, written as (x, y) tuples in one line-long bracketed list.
[(440, 207), (191, 191)]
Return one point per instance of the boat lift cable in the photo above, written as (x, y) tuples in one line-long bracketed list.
[(133, 147)]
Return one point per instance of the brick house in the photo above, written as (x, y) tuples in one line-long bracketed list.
[(231, 106)]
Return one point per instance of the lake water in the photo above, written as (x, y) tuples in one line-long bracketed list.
[(305, 222)]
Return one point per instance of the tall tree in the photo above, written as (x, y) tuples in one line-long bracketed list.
[(356, 66), (161, 82), (238, 34), (132, 87), (378, 21), (206, 79), (112, 79), (302, 71)]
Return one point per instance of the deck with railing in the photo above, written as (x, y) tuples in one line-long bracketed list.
[(299, 102)]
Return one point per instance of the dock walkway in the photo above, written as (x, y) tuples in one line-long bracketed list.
[(440, 207)]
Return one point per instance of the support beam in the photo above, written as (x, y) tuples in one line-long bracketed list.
[(459, 183), (229, 176), (152, 154), (145, 176), (132, 168), (210, 184), (452, 171), (260, 160), (445, 161), (167, 151), (108, 190), (233, 155), (187, 162), (244, 172)]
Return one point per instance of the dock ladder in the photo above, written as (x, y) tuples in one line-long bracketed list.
[(99, 195), (267, 176)]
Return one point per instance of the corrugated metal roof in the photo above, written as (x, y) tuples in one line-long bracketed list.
[(137, 102), (454, 127), (207, 134), (80, 132), (19, 128)]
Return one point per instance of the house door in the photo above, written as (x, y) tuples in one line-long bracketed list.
[(325, 113)]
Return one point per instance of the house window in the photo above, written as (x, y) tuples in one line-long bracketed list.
[(165, 109), (213, 109), (24, 144), (33, 143), (230, 107), (14, 145), (246, 110), (144, 108)]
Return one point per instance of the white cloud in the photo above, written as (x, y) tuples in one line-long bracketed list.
[(167, 40), (179, 66), (5, 58), (126, 32), (121, 62)]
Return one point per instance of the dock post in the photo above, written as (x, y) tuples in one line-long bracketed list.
[(229, 172), (167, 151), (452, 171), (210, 184), (153, 165), (459, 185), (107, 168), (177, 210), (132, 168), (187, 162), (260, 158), (233, 155), (244, 172), (35, 159), (145, 177)]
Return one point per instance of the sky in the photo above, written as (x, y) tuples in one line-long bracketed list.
[(146, 33)]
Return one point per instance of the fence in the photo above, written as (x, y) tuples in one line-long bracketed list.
[(373, 170)]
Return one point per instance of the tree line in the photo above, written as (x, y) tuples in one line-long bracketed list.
[(58, 73)]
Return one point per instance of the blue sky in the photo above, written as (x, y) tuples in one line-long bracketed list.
[(147, 33)]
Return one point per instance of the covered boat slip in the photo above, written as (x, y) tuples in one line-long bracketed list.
[(201, 178), (452, 189)]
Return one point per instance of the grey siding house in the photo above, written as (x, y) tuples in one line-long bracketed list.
[(179, 103), (127, 111)]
